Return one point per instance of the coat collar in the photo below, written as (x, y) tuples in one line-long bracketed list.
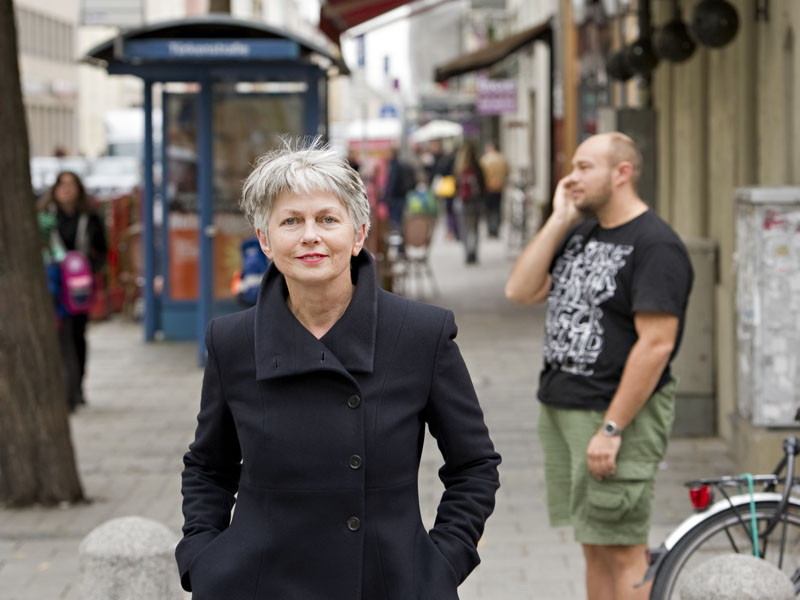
[(284, 347)]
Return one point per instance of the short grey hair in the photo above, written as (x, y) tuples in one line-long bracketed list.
[(303, 167)]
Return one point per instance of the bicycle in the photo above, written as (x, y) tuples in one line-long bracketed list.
[(518, 209), (524, 212), (728, 526)]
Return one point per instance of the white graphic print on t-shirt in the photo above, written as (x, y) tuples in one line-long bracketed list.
[(583, 278)]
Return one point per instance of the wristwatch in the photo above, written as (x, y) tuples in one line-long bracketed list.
[(610, 429)]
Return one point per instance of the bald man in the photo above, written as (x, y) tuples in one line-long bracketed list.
[(616, 279)]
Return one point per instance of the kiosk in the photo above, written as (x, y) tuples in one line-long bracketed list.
[(241, 85)]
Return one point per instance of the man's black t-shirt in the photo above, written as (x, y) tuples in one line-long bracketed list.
[(601, 277)]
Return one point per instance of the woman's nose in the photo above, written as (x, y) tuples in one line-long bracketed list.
[(310, 231)]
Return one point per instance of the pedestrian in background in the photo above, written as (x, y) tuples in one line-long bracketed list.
[(617, 284), (471, 190), (313, 413), (443, 183), (78, 228), (399, 181), (495, 171)]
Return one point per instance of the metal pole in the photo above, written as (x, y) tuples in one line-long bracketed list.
[(150, 317), (206, 230), (311, 105), (622, 14)]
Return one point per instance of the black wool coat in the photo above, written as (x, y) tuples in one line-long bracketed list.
[(318, 443)]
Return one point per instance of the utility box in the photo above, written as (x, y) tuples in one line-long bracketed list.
[(768, 305), (693, 366)]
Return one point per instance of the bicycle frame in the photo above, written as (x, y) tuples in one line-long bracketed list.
[(791, 447)]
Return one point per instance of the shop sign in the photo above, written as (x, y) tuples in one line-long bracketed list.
[(496, 96)]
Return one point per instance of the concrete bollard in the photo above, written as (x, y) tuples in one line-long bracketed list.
[(129, 558), (737, 577)]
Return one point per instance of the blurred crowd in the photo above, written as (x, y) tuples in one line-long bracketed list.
[(451, 178)]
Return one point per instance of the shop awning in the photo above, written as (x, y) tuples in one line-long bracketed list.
[(489, 55), (336, 16)]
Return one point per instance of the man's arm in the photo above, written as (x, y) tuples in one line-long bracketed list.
[(529, 281), (646, 362)]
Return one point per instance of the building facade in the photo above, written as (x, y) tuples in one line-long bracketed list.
[(46, 38), (729, 117)]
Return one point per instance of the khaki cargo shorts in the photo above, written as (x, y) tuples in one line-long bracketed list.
[(616, 510)]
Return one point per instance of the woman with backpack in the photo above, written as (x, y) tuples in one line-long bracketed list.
[(80, 233), (470, 189)]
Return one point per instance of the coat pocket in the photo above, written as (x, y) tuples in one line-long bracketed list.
[(434, 578), (616, 498), (228, 567)]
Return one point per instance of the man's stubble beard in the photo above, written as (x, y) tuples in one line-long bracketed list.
[(597, 201)]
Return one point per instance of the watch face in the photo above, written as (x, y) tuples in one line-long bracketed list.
[(610, 428)]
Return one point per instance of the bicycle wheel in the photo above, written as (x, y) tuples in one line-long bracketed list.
[(723, 534)]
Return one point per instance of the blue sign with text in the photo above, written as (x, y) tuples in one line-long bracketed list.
[(212, 49)]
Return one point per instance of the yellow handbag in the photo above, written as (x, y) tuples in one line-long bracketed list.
[(445, 187)]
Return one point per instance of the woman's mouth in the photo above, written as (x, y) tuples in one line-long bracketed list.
[(311, 258)]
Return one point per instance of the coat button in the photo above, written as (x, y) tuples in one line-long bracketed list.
[(355, 462), (354, 523), (353, 401)]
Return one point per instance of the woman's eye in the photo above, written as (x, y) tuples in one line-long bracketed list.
[(290, 221), (328, 220)]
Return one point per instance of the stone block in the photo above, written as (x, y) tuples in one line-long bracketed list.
[(129, 558), (737, 577)]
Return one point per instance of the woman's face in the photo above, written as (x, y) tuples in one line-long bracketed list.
[(311, 238), (66, 193)]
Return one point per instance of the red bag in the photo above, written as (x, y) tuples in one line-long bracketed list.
[(77, 283), (468, 188), (77, 280)]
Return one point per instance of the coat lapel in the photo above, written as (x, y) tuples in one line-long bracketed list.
[(284, 347)]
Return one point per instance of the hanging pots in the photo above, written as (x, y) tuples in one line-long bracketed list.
[(672, 42), (617, 68), (640, 56), (714, 23)]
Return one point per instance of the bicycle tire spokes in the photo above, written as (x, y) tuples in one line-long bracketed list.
[(732, 541), (784, 520), (796, 580), (748, 531)]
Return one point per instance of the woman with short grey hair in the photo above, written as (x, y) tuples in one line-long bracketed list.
[(313, 411), (316, 168)]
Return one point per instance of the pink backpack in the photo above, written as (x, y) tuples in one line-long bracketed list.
[(77, 280)]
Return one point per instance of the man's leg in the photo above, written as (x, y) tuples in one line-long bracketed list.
[(612, 572), (493, 213), (618, 544), (470, 231), (599, 576)]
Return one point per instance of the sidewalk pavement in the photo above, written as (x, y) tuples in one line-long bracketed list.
[(140, 418)]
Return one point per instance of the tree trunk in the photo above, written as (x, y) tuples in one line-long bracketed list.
[(219, 6), (37, 461)]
